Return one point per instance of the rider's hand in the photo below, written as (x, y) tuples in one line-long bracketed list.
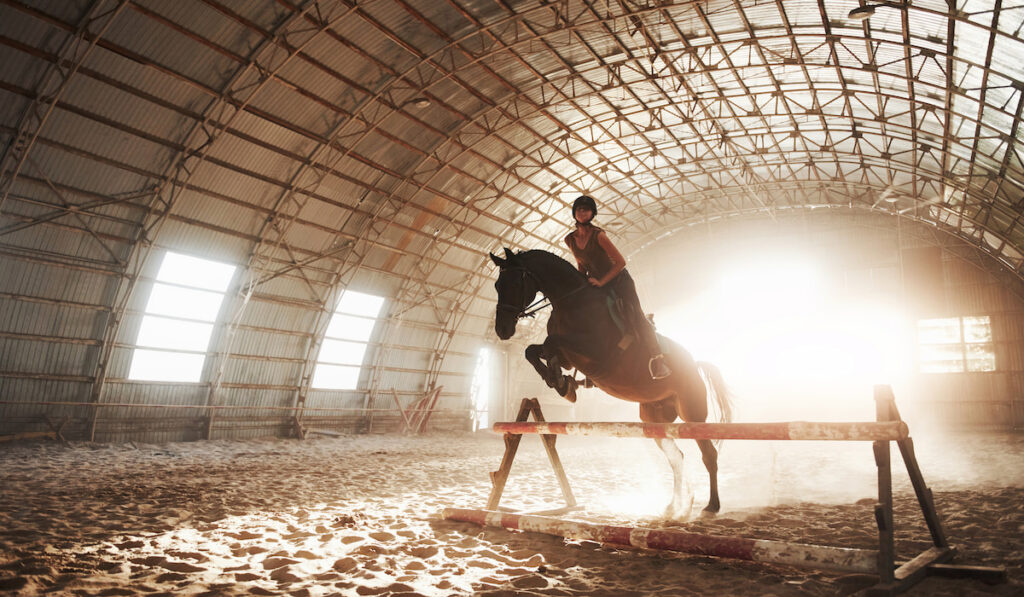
[(594, 282)]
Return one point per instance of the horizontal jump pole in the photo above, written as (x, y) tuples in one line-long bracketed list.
[(796, 430), (756, 550)]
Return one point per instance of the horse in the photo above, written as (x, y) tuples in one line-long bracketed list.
[(583, 333)]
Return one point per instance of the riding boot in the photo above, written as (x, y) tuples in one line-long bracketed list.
[(656, 366)]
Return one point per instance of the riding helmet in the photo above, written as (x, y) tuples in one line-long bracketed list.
[(585, 201)]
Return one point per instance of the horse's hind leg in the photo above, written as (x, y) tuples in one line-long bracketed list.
[(710, 457), (682, 497), (692, 406)]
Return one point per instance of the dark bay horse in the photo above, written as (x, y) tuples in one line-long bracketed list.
[(583, 334)]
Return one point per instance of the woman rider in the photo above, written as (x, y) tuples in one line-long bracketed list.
[(604, 265)]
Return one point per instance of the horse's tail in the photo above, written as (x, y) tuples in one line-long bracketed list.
[(721, 398)]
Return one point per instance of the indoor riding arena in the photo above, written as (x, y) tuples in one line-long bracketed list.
[(511, 297)]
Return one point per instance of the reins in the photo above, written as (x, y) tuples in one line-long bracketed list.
[(535, 306)]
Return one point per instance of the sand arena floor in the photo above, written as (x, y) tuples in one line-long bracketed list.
[(359, 515)]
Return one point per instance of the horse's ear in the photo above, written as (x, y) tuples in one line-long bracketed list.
[(508, 253), (498, 261)]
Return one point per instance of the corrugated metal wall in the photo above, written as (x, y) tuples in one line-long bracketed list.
[(173, 143)]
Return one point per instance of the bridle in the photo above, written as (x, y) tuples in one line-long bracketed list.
[(521, 312), (537, 305)]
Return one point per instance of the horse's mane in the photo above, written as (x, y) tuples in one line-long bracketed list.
[(552, 261)]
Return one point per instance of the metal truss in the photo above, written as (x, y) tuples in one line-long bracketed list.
[(465, 136)]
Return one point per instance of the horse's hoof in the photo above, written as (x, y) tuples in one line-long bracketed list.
[(676, 515), (679, 512), (708, 513), (566, 388)]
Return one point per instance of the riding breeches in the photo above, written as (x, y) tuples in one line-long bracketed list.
[(625, 290)]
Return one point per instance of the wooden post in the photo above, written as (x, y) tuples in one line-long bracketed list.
[(556, 462), (429, 402), (500, 476), (58, 430), (924, 494), (405, 416), (892, 580), (883, 509)]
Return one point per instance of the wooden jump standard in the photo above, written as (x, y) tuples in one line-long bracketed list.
[(893, 577)]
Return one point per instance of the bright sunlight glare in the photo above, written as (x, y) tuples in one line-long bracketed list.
[(359, 303), (791, 345), (195, 272)]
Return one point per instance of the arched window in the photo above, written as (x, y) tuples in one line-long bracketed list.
[(345, 342)]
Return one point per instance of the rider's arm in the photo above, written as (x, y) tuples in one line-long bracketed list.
[(618, 261)]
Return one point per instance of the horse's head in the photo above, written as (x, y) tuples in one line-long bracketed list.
[(516, 288)]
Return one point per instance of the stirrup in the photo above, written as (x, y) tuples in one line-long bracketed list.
[(662, 372)]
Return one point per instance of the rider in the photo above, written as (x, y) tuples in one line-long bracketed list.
[(604, 265)]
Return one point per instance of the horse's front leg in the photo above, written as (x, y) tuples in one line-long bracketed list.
[(537, 356), (545, 360), (710, 457)]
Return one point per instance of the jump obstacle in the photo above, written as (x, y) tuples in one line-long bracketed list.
[(893, 576)]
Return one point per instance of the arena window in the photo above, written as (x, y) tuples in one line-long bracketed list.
[(175, 332), (956, 344), (346, 340)]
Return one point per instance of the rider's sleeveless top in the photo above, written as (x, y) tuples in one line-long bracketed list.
[(595, 260)]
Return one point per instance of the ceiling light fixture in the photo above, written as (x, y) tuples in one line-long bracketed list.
[(417, 102), (862, 12), (865, 11)]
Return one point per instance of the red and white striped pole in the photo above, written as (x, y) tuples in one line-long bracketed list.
[(796, 430), (757, 550)]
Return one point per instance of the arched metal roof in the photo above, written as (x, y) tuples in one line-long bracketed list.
[(319, 143)]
